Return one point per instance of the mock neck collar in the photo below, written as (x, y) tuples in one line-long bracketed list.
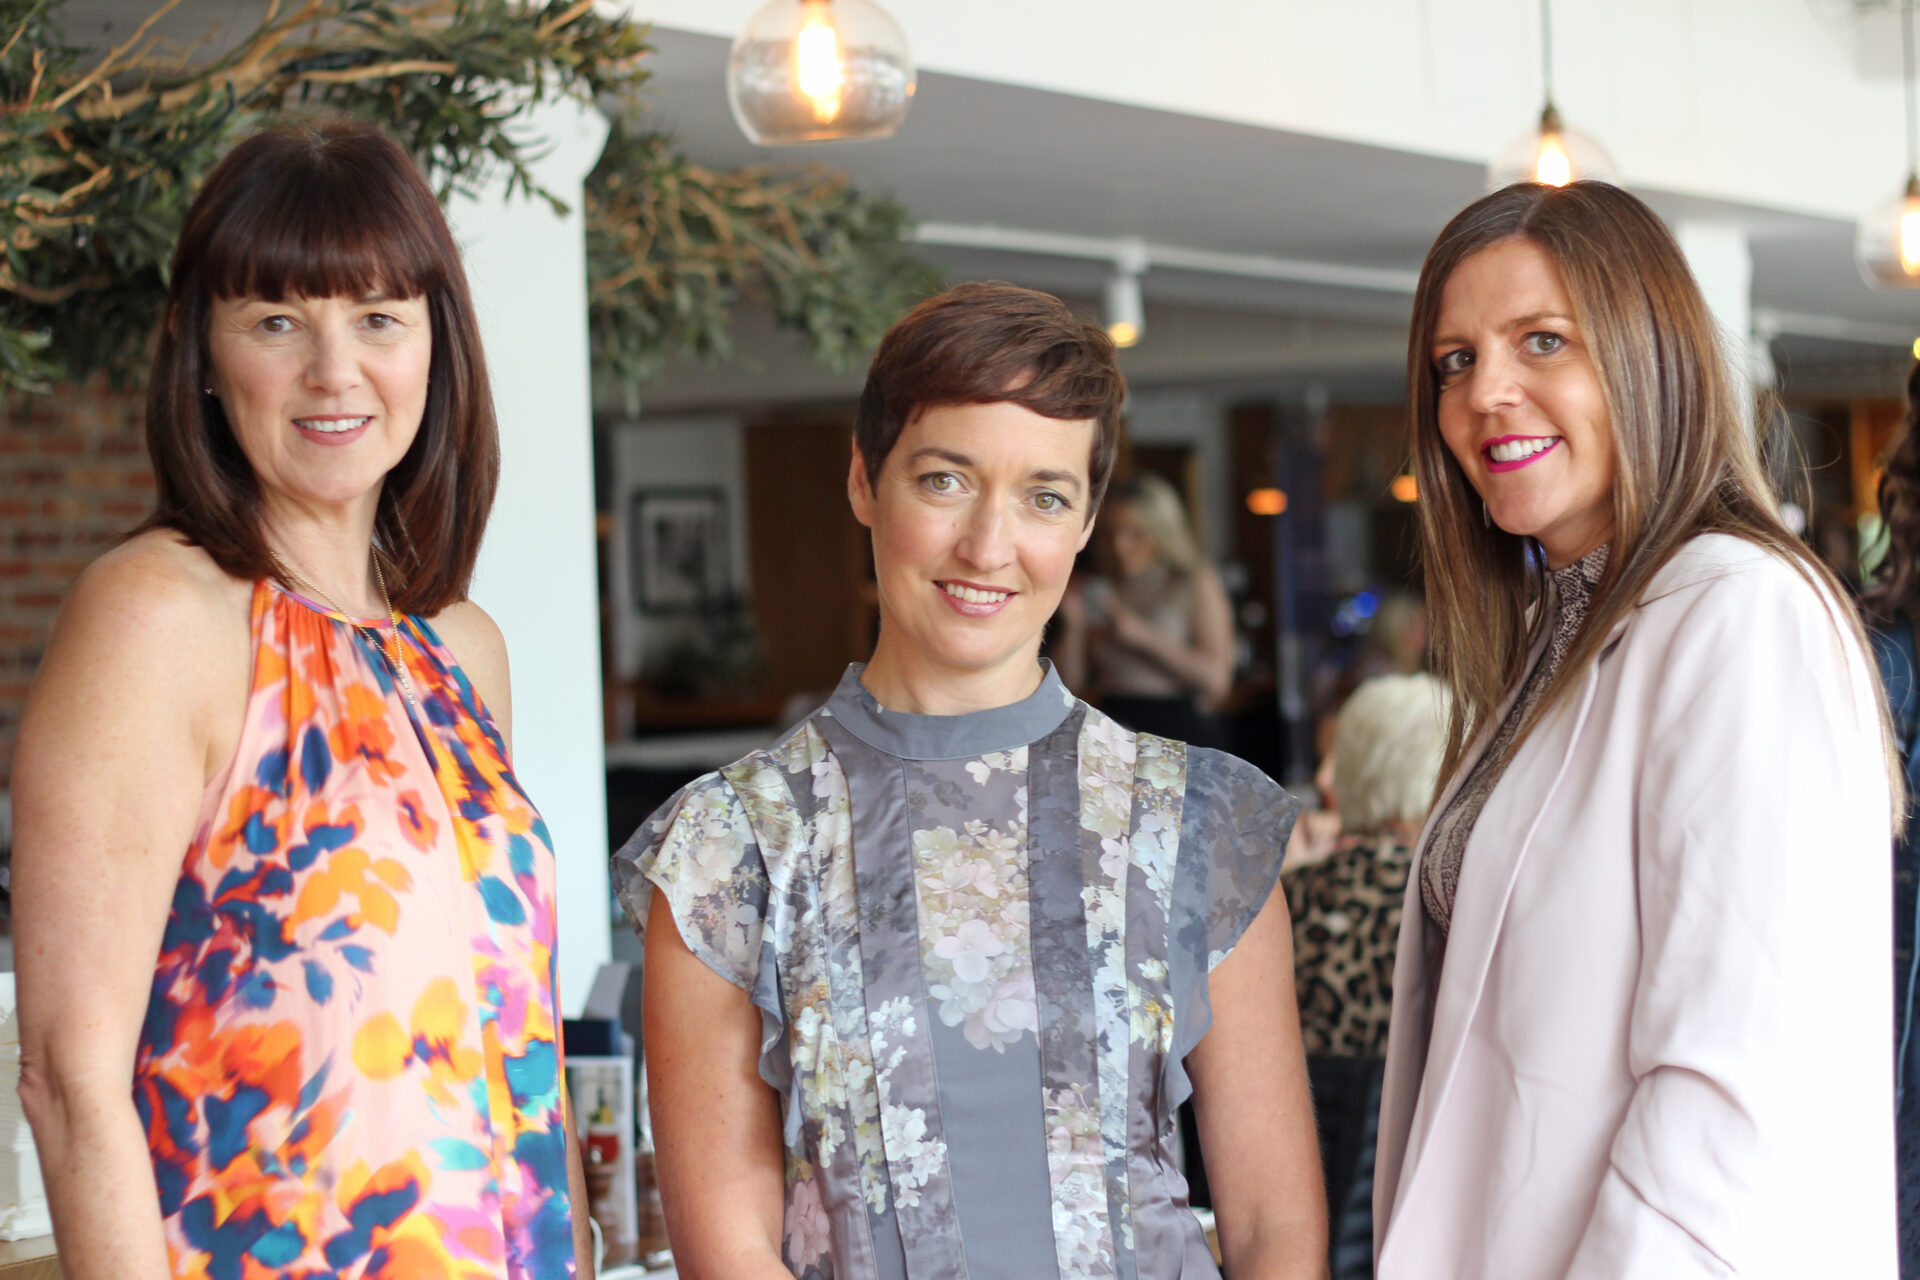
[(961, 737)]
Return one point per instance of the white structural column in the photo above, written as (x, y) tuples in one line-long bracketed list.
[(528, 269), (1722, 262)]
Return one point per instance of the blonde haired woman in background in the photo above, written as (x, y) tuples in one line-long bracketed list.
[(1388, 743), (1153, 643)]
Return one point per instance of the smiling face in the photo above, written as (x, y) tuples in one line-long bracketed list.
[(1520, 402), (323, 395), (1129, 539), (976, 515)]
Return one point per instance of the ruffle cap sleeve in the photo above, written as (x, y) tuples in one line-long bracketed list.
[(1238, 821), (1233, 835), (699, 850)]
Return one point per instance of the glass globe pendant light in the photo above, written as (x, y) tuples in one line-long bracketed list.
[(1550, 153), (1886, 244), (818, 70)]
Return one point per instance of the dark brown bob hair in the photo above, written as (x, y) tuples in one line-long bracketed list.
[(987, 342), (1687, 458), (325, 209)]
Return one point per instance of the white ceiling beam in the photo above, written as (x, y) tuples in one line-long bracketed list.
[(1129, 253)]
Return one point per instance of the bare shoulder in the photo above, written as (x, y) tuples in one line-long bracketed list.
[(152, 628), (154, 595), (1206, 579), (481, 650)]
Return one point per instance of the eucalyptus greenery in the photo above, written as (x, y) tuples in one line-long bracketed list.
[(100, 154)]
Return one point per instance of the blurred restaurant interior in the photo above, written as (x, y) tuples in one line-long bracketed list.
[(1241, 192)]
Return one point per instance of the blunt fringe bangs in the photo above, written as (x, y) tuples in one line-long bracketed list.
[(987, 342), (326, 209), (1688, 458)]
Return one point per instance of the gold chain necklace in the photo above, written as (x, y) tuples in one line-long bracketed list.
[(389, 651)]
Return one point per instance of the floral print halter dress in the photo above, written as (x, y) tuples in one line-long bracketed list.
[(350, 1064)]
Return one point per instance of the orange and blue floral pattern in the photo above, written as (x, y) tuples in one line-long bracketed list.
[(350, 1064)]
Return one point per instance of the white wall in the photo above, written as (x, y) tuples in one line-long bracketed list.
[(1199, 421), (705, 452), (536, 576), (1784, 103)]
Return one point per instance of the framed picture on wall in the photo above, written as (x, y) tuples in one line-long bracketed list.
[(677, 545)]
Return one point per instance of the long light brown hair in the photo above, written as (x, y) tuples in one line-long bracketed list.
[(1687, 458)]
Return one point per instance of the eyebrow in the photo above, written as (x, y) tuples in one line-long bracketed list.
[(1044, 476), (1518, 322)]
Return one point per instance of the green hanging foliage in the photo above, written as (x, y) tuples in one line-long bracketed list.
[(671, 246), (100, 155)]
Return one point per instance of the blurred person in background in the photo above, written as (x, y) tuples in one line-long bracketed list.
[(1395, 643), (926, 980), (1631, 1035), (1892, 602), (1388, 741), (284, 918), (1153, 643)]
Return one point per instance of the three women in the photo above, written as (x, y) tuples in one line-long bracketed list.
[(927, 978)]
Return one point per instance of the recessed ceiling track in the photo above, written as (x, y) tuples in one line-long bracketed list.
[(1131, 254)]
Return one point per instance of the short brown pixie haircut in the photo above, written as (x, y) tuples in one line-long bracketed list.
[(983, 343), (321, 210)]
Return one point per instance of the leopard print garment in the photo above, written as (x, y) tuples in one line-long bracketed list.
[(1346, 920)]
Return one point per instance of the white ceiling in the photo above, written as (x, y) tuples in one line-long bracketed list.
[(978, 152), (974, 152)]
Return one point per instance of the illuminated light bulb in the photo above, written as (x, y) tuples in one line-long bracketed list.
[(1886, 243), (1405, 489), (1552, 165), (1916, 348), (1552, 154), (817, 67), (819, 70), (1126, 313), (1266, 502)]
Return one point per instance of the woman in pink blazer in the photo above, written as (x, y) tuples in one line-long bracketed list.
[(1640, 1010)]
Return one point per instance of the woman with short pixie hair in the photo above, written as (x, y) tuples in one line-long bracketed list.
[(926, 980), (284, 917), (1632, 1034)]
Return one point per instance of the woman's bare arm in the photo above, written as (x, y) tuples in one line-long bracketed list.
[(1251, 1098), (146, 667), (1206, 664), (716, 1123)]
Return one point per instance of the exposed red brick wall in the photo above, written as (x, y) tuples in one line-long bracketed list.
[(73, 478)]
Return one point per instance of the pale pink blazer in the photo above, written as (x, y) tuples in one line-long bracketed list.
[(1661, 1046)]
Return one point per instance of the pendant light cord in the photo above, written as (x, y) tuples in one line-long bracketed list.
[(1546, 48), (1906, 62)]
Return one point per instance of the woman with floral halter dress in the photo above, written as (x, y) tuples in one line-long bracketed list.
[(285, 917), (927, 979)]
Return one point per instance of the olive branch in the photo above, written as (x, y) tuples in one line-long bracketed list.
[(101, 152)]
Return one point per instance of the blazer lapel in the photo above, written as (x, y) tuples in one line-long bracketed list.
[(1417, 1085), (1409, 1045)]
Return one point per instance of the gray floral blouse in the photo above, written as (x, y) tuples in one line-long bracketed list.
[(980, 947)]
